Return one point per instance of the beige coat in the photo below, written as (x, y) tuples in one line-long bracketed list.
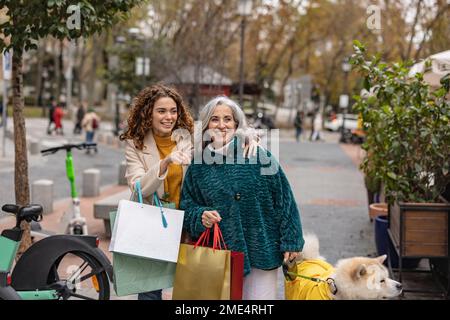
[(89, 117), (144, 165)]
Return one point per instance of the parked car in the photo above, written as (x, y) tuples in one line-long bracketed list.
[(335, 123)]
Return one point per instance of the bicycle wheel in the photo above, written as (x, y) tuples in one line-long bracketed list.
[(78, 275)]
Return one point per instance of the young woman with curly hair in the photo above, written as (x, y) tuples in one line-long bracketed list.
[(158, 142), (158, 147)]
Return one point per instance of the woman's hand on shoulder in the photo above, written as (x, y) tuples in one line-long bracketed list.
[(251, 149), (250, 142)]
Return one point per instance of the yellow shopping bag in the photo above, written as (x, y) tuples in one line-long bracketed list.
[(203, 273)]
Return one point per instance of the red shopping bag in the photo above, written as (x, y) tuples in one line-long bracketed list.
[(237, 275), (236, 267)]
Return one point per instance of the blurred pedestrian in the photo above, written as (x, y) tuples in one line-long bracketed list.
[(317, 127), (313, 117), (79, 118), (90, 123), (298, 123), (58, 115), (51, 120)]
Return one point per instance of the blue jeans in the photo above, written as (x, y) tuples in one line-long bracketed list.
[(298, 133), (90, 136), (151, 295)]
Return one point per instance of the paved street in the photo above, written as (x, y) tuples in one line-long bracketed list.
[(327, 185), (331, 196)]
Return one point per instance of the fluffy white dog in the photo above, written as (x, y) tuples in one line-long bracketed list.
[(353, 278)]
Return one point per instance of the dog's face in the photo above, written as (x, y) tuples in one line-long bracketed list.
[(365, 278)]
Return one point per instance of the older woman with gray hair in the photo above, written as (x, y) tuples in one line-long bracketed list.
[(256, 212)]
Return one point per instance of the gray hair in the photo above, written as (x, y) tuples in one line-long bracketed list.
[(208, 110)]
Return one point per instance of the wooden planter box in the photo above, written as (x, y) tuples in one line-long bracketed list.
[(419, 229)]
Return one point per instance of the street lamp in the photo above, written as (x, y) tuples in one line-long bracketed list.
[(244, 10), (344, 99)]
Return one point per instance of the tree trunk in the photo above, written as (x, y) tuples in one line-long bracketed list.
[(21, 185)]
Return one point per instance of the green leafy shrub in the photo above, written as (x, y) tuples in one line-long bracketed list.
[(408, 129)]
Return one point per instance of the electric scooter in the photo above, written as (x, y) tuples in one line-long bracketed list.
[(72, 222), (57, 267)]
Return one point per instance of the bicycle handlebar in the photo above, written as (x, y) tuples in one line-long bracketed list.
[(68, 147)]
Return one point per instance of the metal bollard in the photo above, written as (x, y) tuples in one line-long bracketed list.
[(100, 137), (122, 170), (91, 182), (35, 147), (110, 140), (42, 193)]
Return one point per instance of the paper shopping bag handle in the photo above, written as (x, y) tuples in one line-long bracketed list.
[(156, 199), (217, 238), (203, 239), (158, 203), (137, 187)]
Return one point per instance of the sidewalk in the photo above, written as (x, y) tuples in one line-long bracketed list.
[(326, 136)]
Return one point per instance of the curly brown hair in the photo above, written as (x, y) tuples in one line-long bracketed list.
[(140, 117)]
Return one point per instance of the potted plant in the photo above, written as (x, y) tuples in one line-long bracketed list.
[(408, 149)]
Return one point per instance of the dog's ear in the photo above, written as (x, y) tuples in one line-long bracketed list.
[(381, 258), (360, 271)]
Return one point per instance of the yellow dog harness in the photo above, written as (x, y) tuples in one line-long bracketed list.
[(314, 288)]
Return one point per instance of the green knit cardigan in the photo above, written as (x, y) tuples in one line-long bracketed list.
[(259, 214)]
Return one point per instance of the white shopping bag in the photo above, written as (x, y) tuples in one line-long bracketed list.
[(147, 231)]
